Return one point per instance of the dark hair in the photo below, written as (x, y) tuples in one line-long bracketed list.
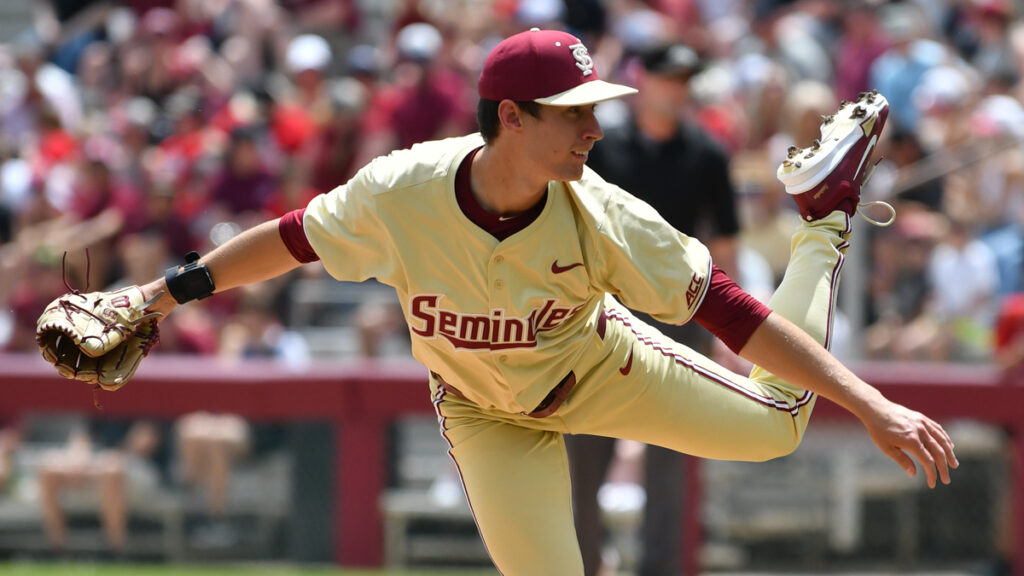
[(673, 59), (487, 116)]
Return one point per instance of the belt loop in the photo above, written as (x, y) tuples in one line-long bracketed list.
[(443, 384), (549, 405)]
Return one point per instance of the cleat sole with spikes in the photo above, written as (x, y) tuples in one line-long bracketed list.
[(855, 121), (828, 174)]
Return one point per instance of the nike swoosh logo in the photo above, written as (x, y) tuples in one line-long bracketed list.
[(505, 218), (629, 364), (556, 269), (867, 152)]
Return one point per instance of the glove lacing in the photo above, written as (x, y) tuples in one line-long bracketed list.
[(66, 307)]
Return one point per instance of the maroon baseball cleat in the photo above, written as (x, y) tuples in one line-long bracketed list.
[(829, 174)]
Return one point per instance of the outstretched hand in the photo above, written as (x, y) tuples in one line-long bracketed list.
[(905, 435), (98, 337)]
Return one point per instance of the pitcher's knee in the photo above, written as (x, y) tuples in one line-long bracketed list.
[(787, 447), (779, 444)]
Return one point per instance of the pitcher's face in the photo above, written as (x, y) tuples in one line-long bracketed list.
[(560, 140)]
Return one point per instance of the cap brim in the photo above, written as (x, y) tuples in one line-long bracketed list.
[(587, 93)]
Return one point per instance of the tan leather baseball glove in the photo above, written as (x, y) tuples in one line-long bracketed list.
[(98, 337)]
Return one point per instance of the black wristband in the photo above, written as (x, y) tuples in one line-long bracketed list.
[(192, 282)]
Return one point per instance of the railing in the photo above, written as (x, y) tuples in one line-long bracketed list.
[(359, 399), (362, 399)]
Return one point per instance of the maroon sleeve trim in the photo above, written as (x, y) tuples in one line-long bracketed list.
[(728, 312), (294, 236)]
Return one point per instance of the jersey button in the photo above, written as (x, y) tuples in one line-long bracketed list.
[(499, 283), (499, 259), (503, 358)]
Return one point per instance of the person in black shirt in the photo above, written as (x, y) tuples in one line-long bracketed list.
[(669, 161)]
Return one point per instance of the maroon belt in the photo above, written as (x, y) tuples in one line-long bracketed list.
[(547, 406)]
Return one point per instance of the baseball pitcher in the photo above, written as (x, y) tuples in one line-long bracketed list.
[(517, 266)]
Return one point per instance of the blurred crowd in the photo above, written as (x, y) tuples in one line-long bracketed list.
[(132, 132)]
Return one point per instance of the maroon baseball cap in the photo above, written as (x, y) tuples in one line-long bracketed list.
[(545, 66)]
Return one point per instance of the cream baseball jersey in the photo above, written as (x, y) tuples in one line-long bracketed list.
[(502, 321)]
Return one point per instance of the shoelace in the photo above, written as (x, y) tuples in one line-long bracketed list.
[(872, 221), (873, 203)]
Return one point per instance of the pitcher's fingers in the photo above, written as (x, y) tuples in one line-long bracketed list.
[(945, 441), (918, 450), (901, 458), (934, 447)]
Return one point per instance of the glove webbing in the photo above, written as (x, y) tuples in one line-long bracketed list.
[(107, 326), (64, 306)]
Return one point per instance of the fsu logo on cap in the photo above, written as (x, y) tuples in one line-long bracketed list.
[(583, 60), (534, 66)]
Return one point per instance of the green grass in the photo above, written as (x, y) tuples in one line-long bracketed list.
[(77, 569)]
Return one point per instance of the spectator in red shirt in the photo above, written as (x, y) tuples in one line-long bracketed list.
[(1009, 337), (293, 193), (425, 100), (244, 185), (432, 99), (55, 146), (333, 157), (860, 45)]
